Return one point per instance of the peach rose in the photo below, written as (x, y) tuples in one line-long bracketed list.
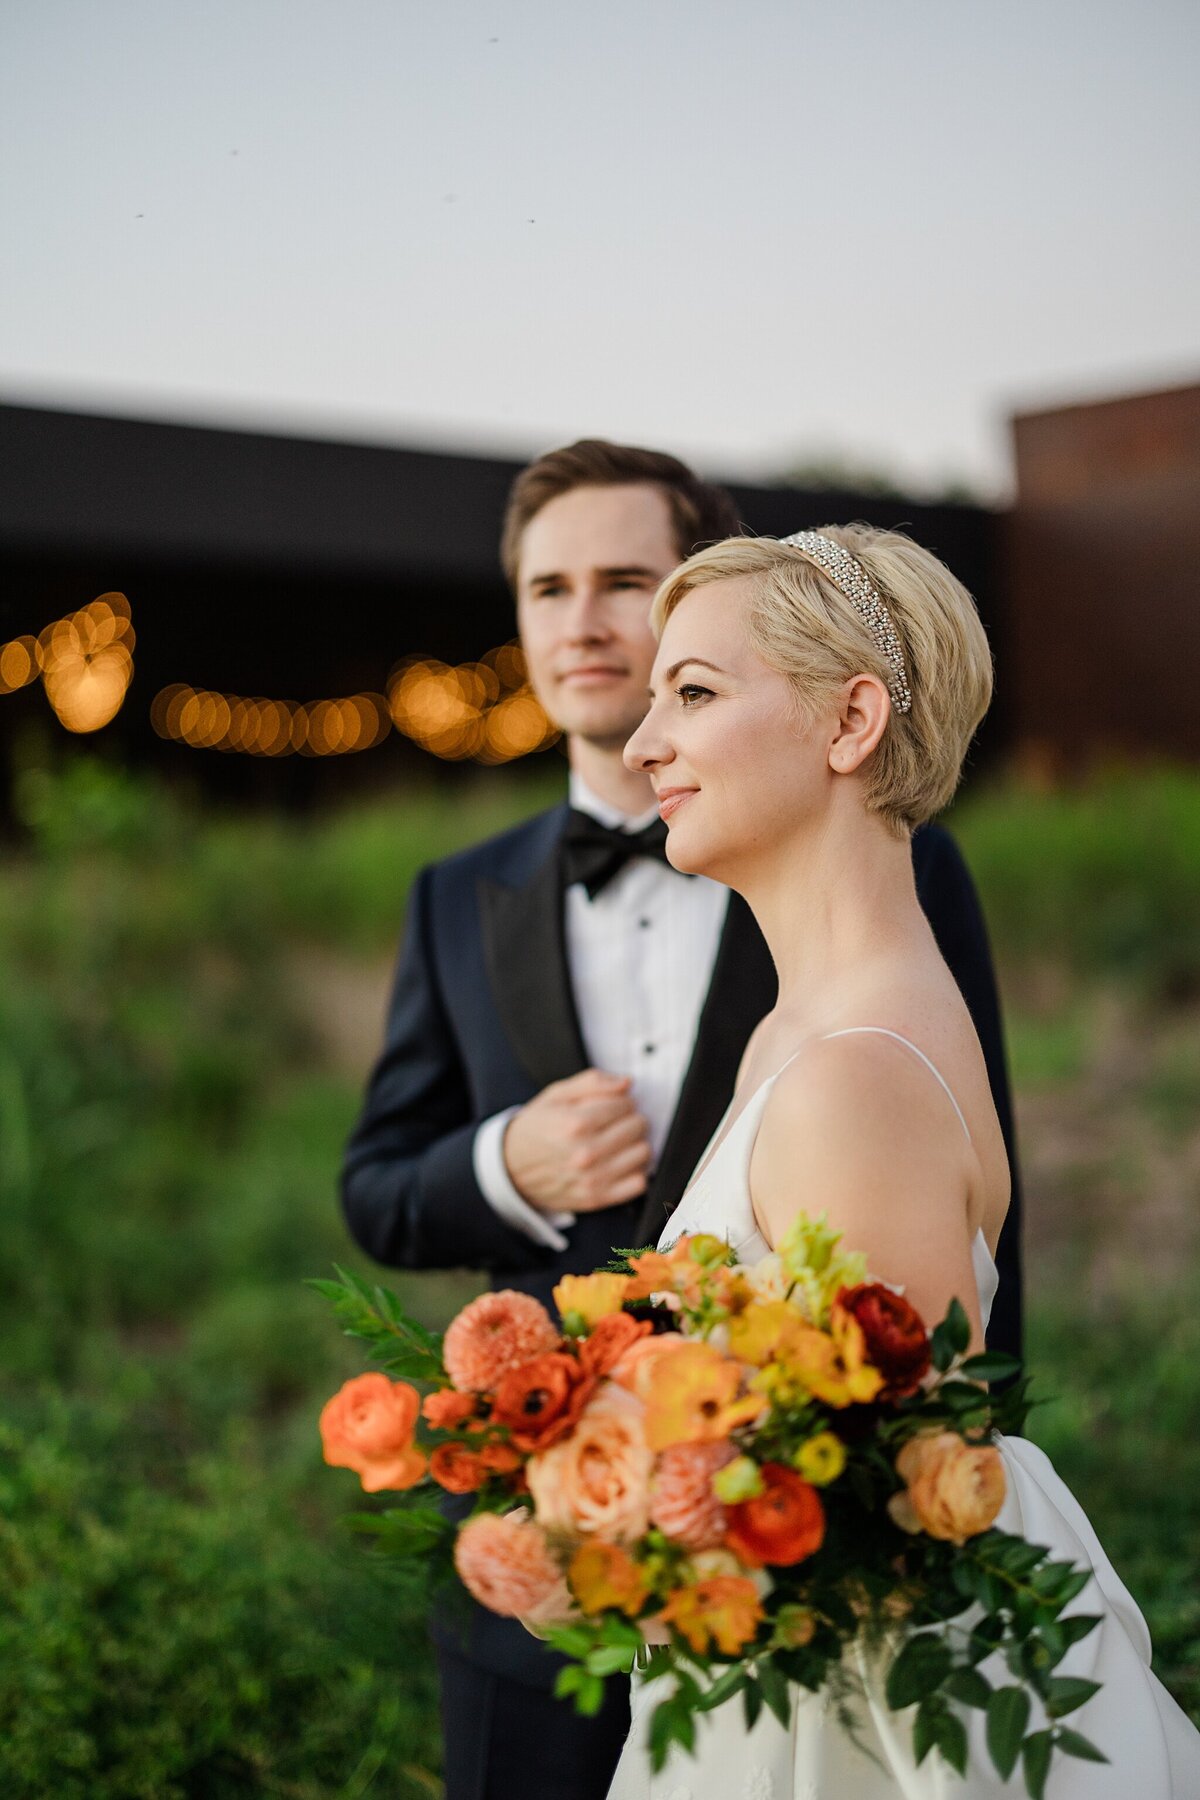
[(496, 1333), (635, 1369), (368, 1427), (954, 1489), (610, 1341), (505, 1562), (597, 1480)]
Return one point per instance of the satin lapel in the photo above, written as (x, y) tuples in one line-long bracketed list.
[(743, 988), (525, 951)]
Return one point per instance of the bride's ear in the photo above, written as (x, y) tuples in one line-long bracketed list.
[(864, 709)]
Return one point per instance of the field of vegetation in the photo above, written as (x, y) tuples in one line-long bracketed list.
[(188, 1002)]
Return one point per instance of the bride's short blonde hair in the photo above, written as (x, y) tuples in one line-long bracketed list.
[(803, 625)]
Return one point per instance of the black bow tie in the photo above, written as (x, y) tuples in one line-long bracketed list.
[(593, 853)]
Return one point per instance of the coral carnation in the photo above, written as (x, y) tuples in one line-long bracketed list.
[(506, 1564), (682, 1502), (782, 1525), (496, 1333), (368, 1427)]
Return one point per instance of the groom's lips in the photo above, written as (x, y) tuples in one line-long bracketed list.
[(671, 799), (592, 674)]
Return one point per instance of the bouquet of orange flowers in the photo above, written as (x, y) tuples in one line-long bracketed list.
[(753, 1467)]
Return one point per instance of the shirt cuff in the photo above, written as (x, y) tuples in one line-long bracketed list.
[(496, 1186)]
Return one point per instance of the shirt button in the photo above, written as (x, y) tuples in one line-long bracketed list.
[(644, 923), (647, 1049)]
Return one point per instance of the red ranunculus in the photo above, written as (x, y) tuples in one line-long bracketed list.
[(542, 1400), (457, 1469), (896, 1339), (782, 1525)]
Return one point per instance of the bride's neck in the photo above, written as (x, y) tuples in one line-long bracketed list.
[(832, 904)]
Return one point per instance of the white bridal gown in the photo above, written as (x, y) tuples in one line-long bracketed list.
[(1153, 1751)]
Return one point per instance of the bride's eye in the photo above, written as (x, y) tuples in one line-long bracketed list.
[(691, 694)]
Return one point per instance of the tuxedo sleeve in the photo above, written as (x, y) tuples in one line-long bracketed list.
[(951, 905), (409, 1188)]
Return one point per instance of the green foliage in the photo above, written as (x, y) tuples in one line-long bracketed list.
[(1101, 878)]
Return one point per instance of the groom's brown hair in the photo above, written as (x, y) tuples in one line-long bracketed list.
[(701, 512)]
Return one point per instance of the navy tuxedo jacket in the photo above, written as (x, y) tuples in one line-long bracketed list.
[(482, 1017)]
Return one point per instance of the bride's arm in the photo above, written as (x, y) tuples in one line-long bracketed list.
[(852, 1131)]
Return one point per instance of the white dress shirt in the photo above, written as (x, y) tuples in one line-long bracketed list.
[(640, 957)]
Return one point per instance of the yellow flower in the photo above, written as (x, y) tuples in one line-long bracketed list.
[(589, 1298), (764, 1331), (603, 1575), (691, 1397), (822, 1459), (724, 1610), (829, 1365), (739, 1480)]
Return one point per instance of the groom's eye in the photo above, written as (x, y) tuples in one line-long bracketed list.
[(691, 694)]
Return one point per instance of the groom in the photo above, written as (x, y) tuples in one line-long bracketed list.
[(567, 1021)]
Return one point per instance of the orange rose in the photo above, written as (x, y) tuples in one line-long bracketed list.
[(724, 1610), (540, 1402), (782, 1525), (604, 1575), (368, 1427), (597, 1481), (955, 1489), (499, 1458), (602, 1350), (445, 1409), (457, 1469)]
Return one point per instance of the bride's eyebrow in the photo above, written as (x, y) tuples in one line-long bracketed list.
[(672, 672)]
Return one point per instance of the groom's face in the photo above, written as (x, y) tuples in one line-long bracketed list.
[(590, 562)]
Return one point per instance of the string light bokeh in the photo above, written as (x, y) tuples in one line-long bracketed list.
[(84, 661), (483, 711)]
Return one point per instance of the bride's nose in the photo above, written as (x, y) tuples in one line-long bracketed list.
[(647, 749)]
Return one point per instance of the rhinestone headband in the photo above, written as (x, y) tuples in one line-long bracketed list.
[(848, 574)]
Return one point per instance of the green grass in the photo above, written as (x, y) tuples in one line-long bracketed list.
[(180, 1612)]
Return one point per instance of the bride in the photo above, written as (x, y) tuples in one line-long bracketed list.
[(812, 702)]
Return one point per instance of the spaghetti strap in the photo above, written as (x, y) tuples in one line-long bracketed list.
[(883, 1031)]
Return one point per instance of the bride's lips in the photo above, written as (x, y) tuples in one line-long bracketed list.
[(671, 799)]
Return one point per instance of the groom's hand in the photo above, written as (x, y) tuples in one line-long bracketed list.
[(580, 1145)]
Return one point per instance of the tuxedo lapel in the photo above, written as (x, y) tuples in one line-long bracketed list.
[(743, 988), (525, 951)]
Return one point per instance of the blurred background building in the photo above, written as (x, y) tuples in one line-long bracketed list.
[(271, 613)]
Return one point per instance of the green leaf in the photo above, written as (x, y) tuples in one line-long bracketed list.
[(566, 1682), (571, 1640), (952, 1740), (589, 1696), (1066, 1692), (969, 1687), (951, 1337), (1035, 1756), (990, 1365), (924, 1730), (752, 1699), (1059, 1634), (921, 1667), (776, 1692), (610, 1659), (1075, 1744), (1059, 1582), (731, 1682), (1007, 1717)]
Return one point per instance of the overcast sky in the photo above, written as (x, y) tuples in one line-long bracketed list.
[(752, 233)]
